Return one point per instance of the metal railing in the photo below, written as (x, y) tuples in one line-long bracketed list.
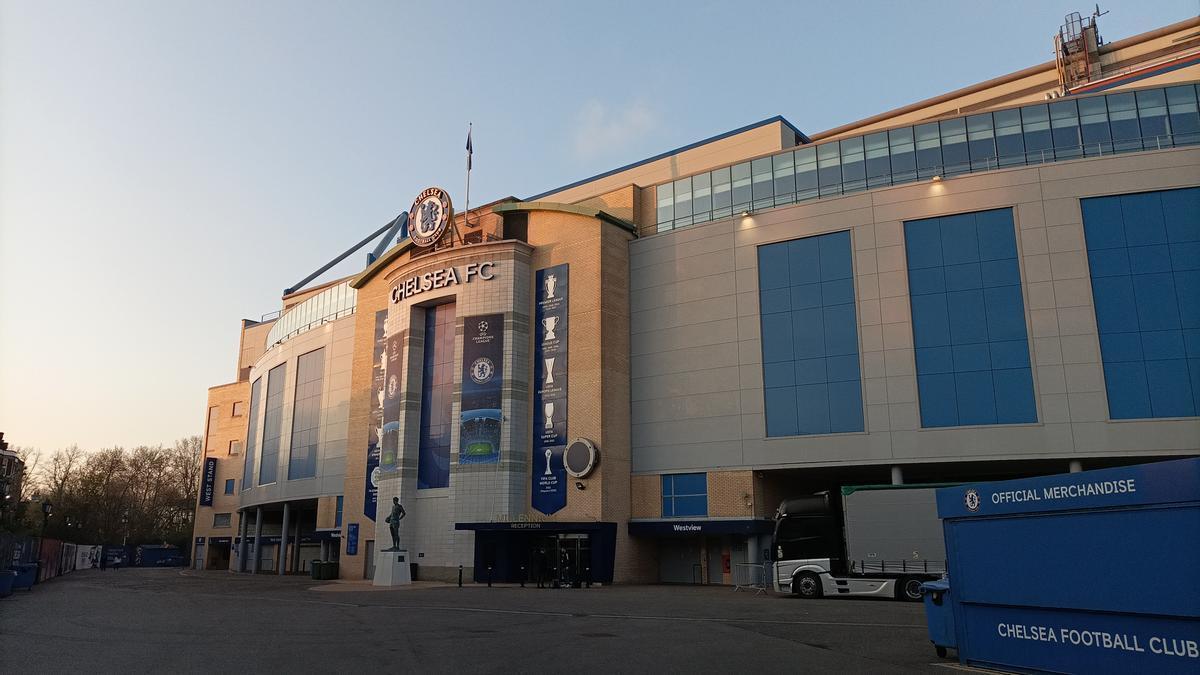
[(751, 577)]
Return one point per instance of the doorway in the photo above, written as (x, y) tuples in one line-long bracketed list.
[(369, 559)]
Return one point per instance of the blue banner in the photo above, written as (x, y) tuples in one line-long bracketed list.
[(482, 381), (210, 477), (375, 419), (352, 539), (549, 493), (390, 397)]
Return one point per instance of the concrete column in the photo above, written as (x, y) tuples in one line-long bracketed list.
[(1076, 466), (282, 558), (257, 542), (296, 546), (324, 550), (243, 545), (897, 475)]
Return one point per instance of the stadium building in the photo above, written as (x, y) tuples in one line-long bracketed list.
[(621, 378)]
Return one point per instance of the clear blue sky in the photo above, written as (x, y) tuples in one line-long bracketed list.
[(166, 168)]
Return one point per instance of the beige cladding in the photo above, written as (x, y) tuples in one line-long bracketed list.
[(223, 429)]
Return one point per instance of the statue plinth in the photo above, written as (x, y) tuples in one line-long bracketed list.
[(392, 568)]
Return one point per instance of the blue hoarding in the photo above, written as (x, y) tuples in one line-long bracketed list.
[(482, 382), (551, 293), (375, 420)]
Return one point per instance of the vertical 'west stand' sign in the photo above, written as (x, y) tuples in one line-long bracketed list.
[(550, 389), (210, 477)]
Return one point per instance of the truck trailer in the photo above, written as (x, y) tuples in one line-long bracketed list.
[(873, 540)]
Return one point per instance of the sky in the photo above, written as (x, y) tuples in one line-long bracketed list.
[(167, 167)]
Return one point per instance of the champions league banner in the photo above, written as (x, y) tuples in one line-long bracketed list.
[(375, 419), (389, 395), (210, 477), (483, 369), (550, 390)]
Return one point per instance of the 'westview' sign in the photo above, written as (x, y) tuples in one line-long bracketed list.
[(449, 276)]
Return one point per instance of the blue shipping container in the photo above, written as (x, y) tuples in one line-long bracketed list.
[(1097, 571)]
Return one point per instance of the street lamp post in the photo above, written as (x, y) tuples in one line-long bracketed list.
[(47, 507)]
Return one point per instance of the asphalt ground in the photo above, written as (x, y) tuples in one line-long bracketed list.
[(168, 620)]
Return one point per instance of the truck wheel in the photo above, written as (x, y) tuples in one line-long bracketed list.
[(941, 652), (908, 589), (807, 585)]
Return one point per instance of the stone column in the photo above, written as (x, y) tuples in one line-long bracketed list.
[(243, 544), (257, 542), (282, 558)]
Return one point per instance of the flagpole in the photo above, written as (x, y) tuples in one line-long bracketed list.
[(467, 210)]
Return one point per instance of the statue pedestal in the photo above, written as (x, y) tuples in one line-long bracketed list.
[(392, 569)]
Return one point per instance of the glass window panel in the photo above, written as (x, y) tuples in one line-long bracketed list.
[(666, 205), (722, 193), (806, 173), (1152, 115), (1064, 129), (829, 169), (251, 435), (981, 139), (268, 469), (854, 176), (1185, 121), (1093, 126), (929, 150), (784, 166), (1010, 147), (741, 186), (306, 415), (1035, 125), (763, 188), (433, 452), (683, 202), (702, 197), (878, 165), (904, 164), (1123, 122), (955, 156), (966, 330)]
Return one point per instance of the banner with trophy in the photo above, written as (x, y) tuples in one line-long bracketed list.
[(550, 389), (483, 378), (389, 454), (375, 419)]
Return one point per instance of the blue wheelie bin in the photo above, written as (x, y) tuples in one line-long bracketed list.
[(939, 615)]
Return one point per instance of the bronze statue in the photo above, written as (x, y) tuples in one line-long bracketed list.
[(393, 522)]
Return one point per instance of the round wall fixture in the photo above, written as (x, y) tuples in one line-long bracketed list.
[(580, 458)]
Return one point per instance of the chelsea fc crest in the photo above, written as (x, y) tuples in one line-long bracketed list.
[(971, 500), (430, 214), (482, 370)]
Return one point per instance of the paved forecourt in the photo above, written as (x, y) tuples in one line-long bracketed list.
[(147, 620)]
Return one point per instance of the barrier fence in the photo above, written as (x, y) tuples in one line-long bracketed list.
[(751, 576)]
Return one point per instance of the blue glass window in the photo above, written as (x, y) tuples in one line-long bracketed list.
[(811, 378), (268, 467), (229, 486), (437, 395), (251, 435), (684, 495), (972, 348), (1144, 253), (337, 515), (306, 415)]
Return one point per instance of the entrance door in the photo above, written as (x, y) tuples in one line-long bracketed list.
[(369, 557), (679, 561), (574, 559), (198, 559), (715, 562)]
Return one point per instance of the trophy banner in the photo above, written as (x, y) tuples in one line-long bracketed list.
[(551, 330), (375, 419), (482, 382)]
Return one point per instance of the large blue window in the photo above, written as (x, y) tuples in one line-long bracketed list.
[(811, 376), (337, 515), (251, 435), (437, 395), (1144, 254), (268, 465), (684, 495), (972, 349)]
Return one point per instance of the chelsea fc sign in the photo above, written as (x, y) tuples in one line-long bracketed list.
[(430, 214)]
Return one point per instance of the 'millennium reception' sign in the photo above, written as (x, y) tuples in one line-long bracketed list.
[(550, 390), (483, 368)]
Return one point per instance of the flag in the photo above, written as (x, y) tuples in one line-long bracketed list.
[(469, 149)]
